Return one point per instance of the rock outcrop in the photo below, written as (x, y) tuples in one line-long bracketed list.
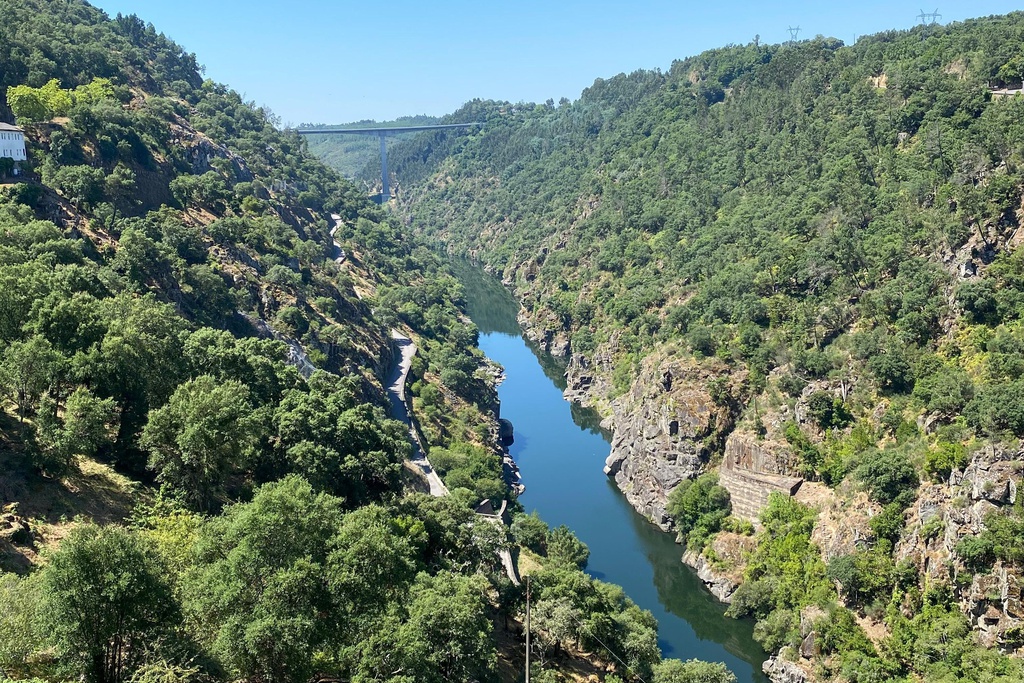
[(752, 469), (724, 575), (587, 378), (666, 428), (781, 671), (946, 513), (15, 529), (546, 334)]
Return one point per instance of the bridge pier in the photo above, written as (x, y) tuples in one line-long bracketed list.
[(385, 193), (382, 133)]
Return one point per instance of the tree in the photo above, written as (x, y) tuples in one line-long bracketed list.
[(557, 622), (889, 476), (373, 562), (93, 92), (26, 104), (692, 671), (28, 369), (465, 465), (699, 507), (261, 586), (204, 432), (637, 638), (257, 363), (530, 531), (82, 185), (204, 190), (57, 100), (443, 635), (564, 548), (862, 575), (138, 362), (120, 185), (353, 451), (104, 600), (21, 635), (84, 429), (828, 411)]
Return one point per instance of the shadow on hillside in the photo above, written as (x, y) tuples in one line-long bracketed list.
[(95, 492)]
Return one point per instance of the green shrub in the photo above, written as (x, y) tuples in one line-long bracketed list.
[(785, 570), (531, 532), (780, 628), (565, 549), (828, 411), (945, 457), (889, 476), (791, 384), (465, 465), (810, 456), (22, 637), (889, 523), (863, 575), (698, 508)]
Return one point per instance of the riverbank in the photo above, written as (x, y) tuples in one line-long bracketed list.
[(560, 448)]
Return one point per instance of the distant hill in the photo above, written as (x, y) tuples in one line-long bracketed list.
[(350, 155)]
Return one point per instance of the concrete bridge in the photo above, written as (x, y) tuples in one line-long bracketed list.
[(382, 133)]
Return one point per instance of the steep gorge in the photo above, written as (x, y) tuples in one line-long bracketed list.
[(796, 266)]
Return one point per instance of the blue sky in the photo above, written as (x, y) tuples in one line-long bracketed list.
[(324, 61)]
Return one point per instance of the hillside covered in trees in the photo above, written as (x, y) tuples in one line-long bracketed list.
[(793, 261), (198, 474)]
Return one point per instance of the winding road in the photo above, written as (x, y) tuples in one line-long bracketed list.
[(400, 411)]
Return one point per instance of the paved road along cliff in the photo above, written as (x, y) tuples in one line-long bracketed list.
[(400, 411)]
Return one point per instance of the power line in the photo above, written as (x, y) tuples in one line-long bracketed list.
[(929, 17), (793, 33)]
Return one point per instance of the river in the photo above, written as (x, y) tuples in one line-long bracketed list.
[(560, 449)]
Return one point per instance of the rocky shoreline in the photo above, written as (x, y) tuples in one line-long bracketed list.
[(669, 426), (660, 435)]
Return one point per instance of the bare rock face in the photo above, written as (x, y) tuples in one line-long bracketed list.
[(545, 332), (665, 430), (782, 671), (943, 515), (587, 378), (844, 523), (744, 450), (992, 475), (724, 577), (720, 585)]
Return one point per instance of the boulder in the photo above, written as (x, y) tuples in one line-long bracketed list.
[(782, 671), (16, 530)]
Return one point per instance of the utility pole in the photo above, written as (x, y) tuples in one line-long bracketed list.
[(527, 628), (793, 33)]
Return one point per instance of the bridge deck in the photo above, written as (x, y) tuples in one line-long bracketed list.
[(382, 131)]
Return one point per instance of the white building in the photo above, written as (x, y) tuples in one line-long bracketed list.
[(12, 142)]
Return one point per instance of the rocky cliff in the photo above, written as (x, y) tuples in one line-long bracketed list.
[(948, 512), (666, 429)]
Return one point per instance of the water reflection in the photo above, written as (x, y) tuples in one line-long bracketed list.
[(491, 306), (560, 449)]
